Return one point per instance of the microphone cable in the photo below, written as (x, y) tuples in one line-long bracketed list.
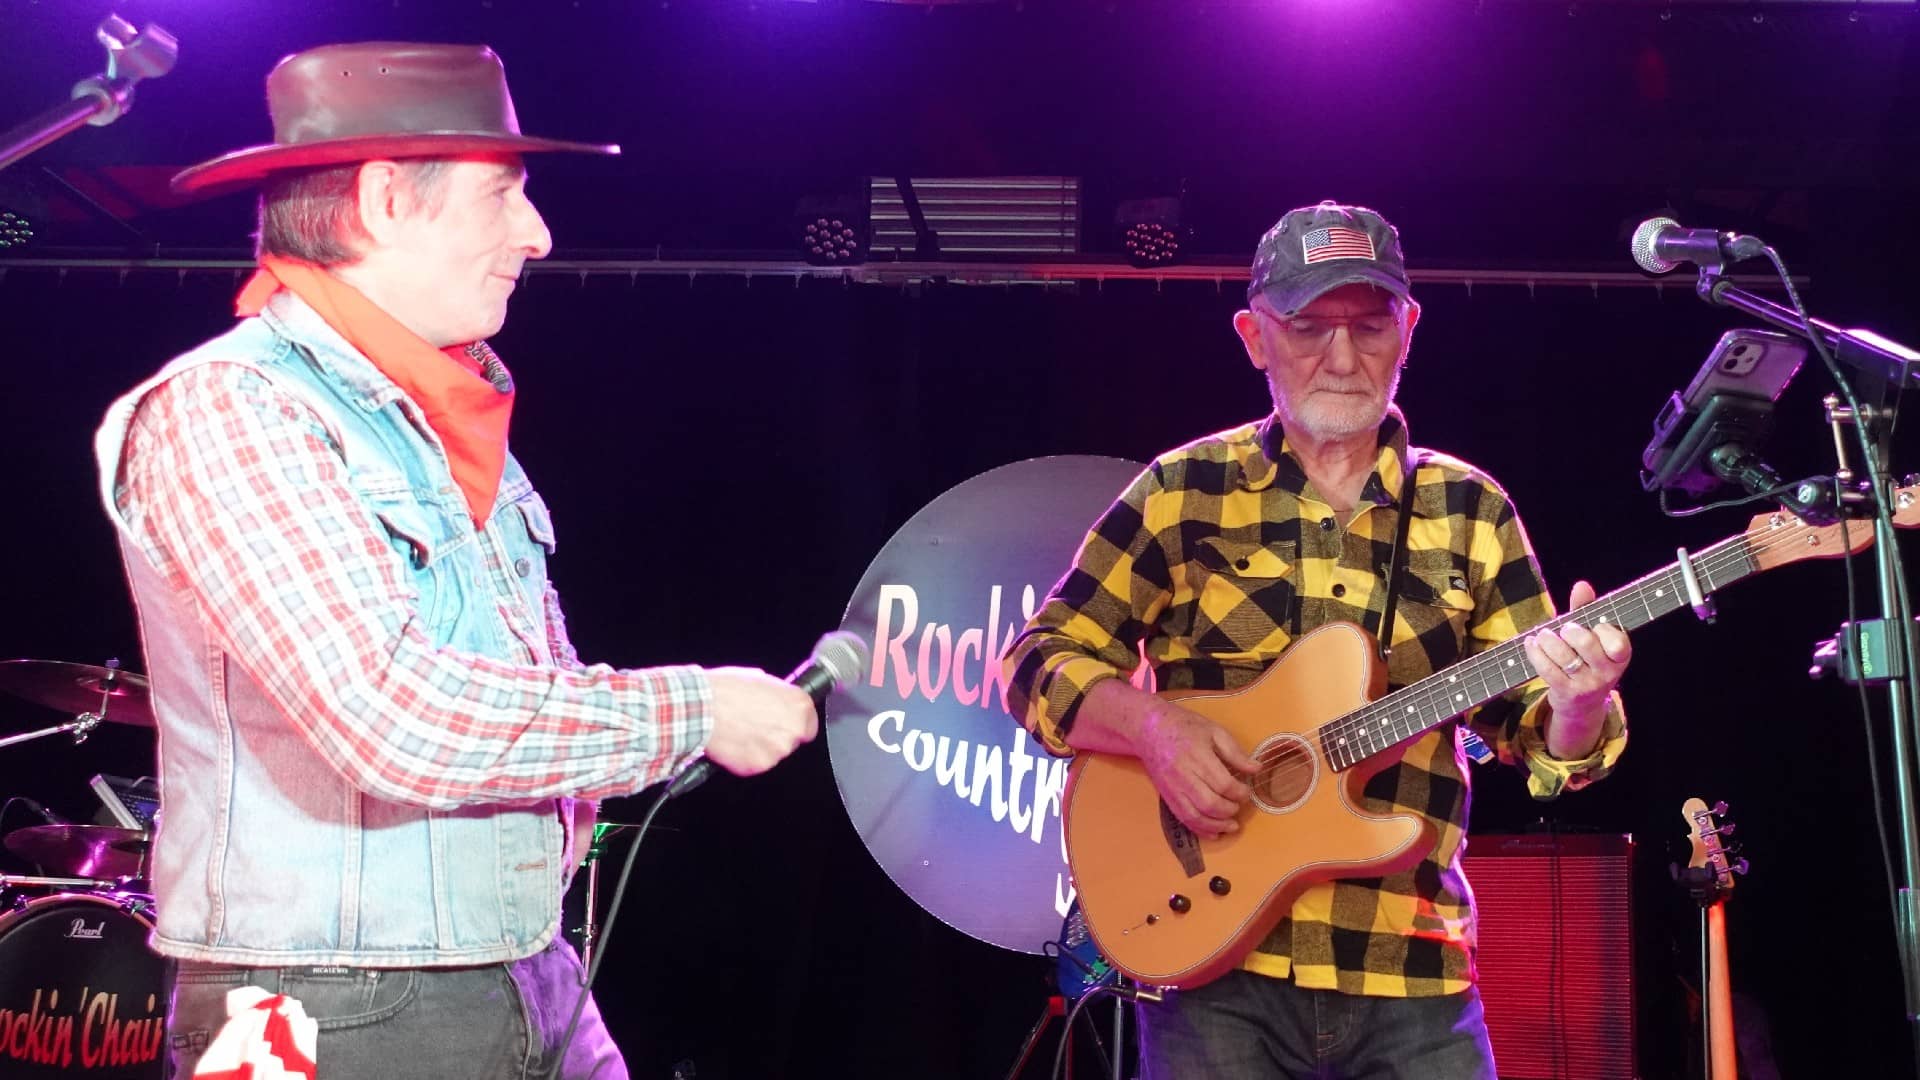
[(606, 931)]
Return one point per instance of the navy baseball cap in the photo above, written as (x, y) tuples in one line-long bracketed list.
[(1317, 248)]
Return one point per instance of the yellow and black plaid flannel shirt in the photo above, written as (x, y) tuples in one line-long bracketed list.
[(1216, 558)]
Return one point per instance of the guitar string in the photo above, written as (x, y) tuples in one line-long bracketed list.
[(1293, 761), (1721, 556)]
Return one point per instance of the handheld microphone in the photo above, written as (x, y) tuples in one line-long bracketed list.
[(1660, 244), (837, 659)]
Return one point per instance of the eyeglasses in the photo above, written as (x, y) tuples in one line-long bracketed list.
[(1312, 335)]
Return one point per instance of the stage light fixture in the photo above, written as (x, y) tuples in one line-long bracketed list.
[(1150, 232), (15, 231), (832, 231), (830, 242)]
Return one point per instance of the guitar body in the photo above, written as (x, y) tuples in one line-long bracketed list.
[(1133, 863)]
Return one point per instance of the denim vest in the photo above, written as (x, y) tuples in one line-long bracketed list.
[(265, 855)]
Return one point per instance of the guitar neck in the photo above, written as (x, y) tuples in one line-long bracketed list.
[(1432, 701), (1716, 997)]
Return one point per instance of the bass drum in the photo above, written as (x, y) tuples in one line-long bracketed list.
[(80, 992)]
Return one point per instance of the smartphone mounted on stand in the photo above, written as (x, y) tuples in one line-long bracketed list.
[(1724, 413)]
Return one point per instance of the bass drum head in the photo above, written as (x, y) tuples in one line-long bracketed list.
[(80, 992)]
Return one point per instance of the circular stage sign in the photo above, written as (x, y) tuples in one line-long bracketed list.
[(957, 803)]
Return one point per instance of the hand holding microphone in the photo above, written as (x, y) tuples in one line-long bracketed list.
[(758, 720)]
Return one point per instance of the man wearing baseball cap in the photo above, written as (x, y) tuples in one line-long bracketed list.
[(378, 749), (1226, 551)]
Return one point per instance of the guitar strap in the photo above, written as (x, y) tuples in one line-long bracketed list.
[(1405, 520)]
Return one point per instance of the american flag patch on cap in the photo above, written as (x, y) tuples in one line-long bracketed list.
[(1335, 242)]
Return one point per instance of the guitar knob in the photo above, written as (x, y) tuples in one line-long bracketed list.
[(1220, 886), (1180, 904)]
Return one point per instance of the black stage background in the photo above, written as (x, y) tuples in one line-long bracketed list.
[(724, 454)]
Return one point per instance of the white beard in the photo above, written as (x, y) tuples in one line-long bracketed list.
[(1324, 418)]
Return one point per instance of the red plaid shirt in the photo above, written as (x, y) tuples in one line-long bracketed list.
[(232, 492)]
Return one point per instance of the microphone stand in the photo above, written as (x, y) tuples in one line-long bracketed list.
[(1863, 350), (81, 726), (1893, 367), (101, 99)]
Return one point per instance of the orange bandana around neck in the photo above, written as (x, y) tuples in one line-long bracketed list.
[(460, 401)]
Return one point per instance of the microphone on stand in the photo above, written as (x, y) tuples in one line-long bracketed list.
[(1661, 244), (837, 659)]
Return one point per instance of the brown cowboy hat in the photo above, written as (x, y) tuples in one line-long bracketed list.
[(378, 99)]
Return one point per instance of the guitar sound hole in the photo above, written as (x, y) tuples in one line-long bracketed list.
[(1287, 773)]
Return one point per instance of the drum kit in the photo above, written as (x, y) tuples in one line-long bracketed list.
[(80, 991)]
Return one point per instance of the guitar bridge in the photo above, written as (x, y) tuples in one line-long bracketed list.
[(1182, 841)]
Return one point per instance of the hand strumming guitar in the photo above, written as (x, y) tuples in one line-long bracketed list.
[(1195, 765)]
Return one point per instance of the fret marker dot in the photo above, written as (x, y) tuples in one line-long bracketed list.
[(1459, 697)]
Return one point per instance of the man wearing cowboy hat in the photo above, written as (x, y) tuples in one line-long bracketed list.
[(376, 743)]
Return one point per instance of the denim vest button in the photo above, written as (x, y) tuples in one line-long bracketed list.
[(523, 566)]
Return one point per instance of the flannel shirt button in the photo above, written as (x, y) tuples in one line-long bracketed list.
[(523, 566), (1326, 524), (1339, 590), (1241, 564)]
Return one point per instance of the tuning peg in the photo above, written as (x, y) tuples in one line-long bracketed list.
[(1719, 808), (1739, 867), (1726, 829)]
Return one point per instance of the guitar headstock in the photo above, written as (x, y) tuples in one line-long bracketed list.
[(1713, 868), (1779, 538)]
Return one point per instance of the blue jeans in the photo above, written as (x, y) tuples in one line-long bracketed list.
[(1247, 1025), (494, 1022)]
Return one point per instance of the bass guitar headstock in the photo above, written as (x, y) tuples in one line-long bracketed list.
[(1710, 870)]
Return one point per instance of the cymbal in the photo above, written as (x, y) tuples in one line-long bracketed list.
[(88, 851), (79, 688)]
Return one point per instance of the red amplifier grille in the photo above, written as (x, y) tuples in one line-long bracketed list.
[(1556, 953)]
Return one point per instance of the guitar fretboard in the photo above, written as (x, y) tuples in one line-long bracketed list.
[(1440, 697)]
